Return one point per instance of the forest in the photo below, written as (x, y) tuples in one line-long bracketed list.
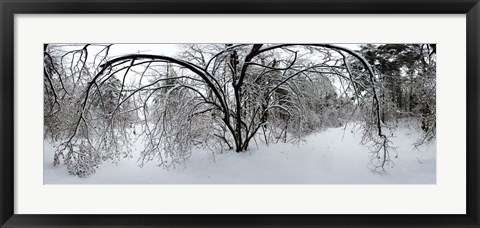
[(103, 107)]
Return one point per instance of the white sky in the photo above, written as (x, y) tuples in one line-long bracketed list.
[(158, 49), (167, 49)]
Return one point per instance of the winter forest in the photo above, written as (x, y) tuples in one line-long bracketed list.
[(239, 113)]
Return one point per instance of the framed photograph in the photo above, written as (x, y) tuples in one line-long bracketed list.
[(240, 113)]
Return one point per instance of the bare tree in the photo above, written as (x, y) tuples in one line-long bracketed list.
[(211, 96)]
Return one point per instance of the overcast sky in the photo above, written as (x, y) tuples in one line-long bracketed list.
[(167, 49)]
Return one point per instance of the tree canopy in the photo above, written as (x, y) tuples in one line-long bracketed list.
[(223, 96)]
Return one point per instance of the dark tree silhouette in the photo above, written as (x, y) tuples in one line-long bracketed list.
[(212, 96)]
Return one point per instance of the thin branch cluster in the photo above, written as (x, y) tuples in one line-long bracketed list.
[(224, 97)]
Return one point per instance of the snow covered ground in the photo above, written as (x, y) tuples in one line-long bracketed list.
[(333, 156)]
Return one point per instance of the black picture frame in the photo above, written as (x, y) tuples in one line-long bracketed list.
[(8, 8)]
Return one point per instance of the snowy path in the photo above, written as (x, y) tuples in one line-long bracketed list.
[(324, 158)]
